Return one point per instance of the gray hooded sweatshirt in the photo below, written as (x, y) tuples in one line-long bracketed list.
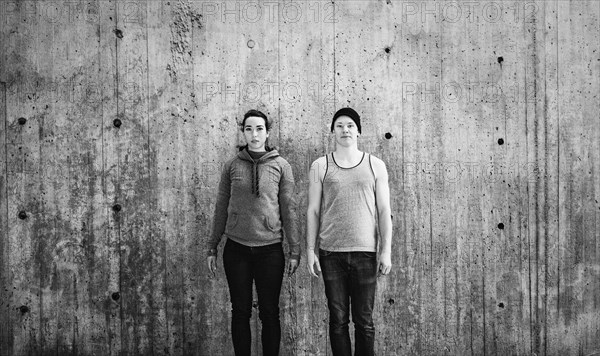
[(255, 203)]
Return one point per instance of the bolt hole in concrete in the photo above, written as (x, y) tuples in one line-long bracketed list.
[(501, 226), (22, 215), (119, 33), (251, 44), (24, 309), (116, 296), (117, 123), (116, 208), (501, 305), (22, 121), (500, 141), (388, 135)]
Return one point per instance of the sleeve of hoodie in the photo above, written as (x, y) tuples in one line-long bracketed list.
[(220, 216), (287, 208)]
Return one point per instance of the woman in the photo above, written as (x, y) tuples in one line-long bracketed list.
[(254, 210)]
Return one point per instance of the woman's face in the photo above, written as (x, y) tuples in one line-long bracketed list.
[(255, 133)]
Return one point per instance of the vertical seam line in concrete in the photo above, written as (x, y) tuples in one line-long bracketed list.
[(5, 114), (118, 229), (444, 255), (471, 329), (164, 242), (334, 57), (148, 93), (279, 81), (102, 155), (531, 338), (483, 294), (546, 196), (5, 252), (598, 146), (149, 180), (558, 160), (430, 238), (536, 153), (182, 312)]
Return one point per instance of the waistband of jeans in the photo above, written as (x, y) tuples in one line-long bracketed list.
[(236, 244)]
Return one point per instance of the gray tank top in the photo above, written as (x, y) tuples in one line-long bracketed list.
[(348, 212)]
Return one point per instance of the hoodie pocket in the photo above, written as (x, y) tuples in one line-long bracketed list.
[(269, 222), (245, 225)]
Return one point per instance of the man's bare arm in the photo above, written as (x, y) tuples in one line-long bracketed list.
[(382, 196)]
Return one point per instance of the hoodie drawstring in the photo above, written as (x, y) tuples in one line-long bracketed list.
[(255, 179), (256, 161)]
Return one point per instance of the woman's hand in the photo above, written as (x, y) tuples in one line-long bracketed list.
[(212, 266), (292, 266)]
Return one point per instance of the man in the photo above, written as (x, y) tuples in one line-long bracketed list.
[(348, 196)]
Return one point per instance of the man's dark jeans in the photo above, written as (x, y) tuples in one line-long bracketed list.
[(264, 265), (350, 280)]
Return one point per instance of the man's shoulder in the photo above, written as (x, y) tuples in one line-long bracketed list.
[(376, 160), (378, 166)]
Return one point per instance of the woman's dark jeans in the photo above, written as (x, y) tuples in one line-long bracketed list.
[(350, 280), (265, 266)]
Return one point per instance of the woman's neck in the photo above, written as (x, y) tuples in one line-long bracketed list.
[(259, 150)]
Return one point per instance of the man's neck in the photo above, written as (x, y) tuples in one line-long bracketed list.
[(347, 156)]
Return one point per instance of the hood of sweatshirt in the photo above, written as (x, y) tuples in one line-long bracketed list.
[(244, 155)]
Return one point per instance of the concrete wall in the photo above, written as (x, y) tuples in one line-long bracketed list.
[(486, 113)]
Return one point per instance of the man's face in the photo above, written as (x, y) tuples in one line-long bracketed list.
[(345, 131)]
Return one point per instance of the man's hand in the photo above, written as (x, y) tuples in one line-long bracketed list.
[(212, 266), (314, 268), (385, 263), (292, 266)]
